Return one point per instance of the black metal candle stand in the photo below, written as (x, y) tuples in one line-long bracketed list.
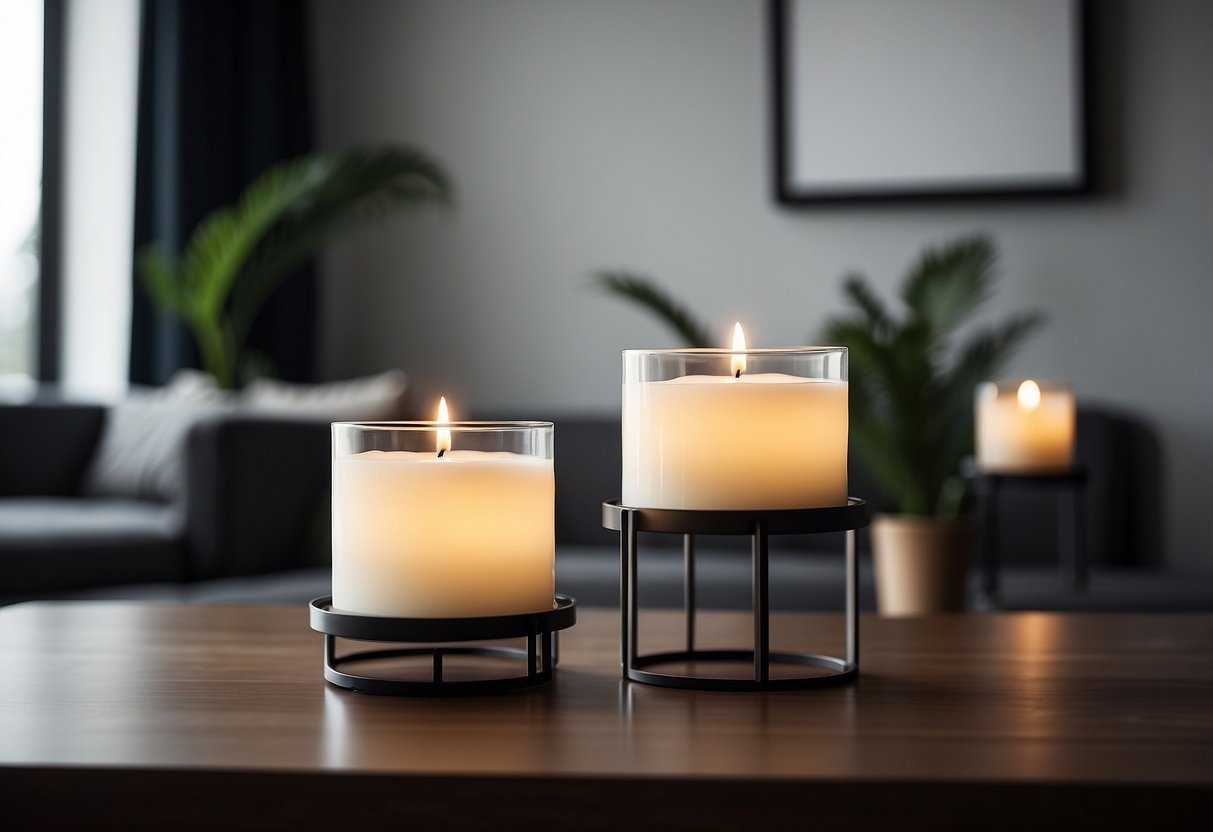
[(440, 637), (1070, 487), (758, 525)]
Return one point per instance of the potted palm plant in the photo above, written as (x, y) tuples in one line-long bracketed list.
[(911, 397), (240, 253)]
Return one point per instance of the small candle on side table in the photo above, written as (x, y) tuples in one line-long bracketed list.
[(1024, 427)]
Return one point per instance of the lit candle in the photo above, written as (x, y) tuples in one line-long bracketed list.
[(770, 432), (444, 532), (1024, 427), (737, 362), (443, 441)]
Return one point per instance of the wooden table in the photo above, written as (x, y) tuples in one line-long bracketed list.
[(209, 717)]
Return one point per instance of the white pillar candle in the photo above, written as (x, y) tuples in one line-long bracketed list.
[(1024, 427), (462, 534), (745, 440)]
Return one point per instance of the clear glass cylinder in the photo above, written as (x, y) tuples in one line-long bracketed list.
[(735, 429), (443, 520), (1024, 426)]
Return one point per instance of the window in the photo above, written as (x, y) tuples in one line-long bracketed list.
[(21, 62)]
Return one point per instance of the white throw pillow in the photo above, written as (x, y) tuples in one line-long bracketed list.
[(369, 399), (141, 453)]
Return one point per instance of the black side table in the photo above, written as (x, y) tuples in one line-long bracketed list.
[(1070, 487)]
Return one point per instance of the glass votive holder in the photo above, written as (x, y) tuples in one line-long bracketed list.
[(1024, 426), (726, 429), (443, 520)]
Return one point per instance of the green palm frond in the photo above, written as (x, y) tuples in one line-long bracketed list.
[(158, 271), (877, 447), (911, 392), (240, 253), (860, 294), (949, 283), (985, 354), (224, 240), (645, 292), (337, 194)]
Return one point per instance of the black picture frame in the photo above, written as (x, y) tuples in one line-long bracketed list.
[(791, 191)]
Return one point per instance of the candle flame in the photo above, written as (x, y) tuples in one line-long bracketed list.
[(444, 434), (738, 365), (1029, 395)]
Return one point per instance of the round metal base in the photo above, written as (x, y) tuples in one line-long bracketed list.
[(842, 671), (539, 656)]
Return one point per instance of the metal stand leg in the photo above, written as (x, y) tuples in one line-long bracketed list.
[(1080, 539), (762, 618), (852, 600), (1072, 543), (625, 585), (989, 543), (688, 587), (628, 603)]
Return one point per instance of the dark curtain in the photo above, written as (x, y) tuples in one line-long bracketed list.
[(50, 216), (223, 94)]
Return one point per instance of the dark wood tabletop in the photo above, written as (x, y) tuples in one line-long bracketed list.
[(200, 716)]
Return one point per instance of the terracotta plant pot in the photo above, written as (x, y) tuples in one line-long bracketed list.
[(920, 563)]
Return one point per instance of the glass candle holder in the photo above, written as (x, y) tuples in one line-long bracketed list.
[(1024, 426), (443, 520), (728, 429)]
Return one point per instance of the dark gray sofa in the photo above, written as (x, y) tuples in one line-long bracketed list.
[(250, 504)]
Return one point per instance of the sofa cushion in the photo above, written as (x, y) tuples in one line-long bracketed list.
[(54, 543), (141, 454), (369, 399)]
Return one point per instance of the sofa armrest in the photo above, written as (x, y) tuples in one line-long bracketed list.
[(256, 488), (44, 448)]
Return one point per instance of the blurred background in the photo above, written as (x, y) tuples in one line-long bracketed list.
[(579, 135)]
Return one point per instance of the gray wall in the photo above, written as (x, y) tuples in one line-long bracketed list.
[(634, 133)]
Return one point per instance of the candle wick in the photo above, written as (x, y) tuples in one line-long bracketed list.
[(738, 373), (441, 452)]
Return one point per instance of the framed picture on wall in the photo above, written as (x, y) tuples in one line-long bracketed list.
[(878, 100)]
